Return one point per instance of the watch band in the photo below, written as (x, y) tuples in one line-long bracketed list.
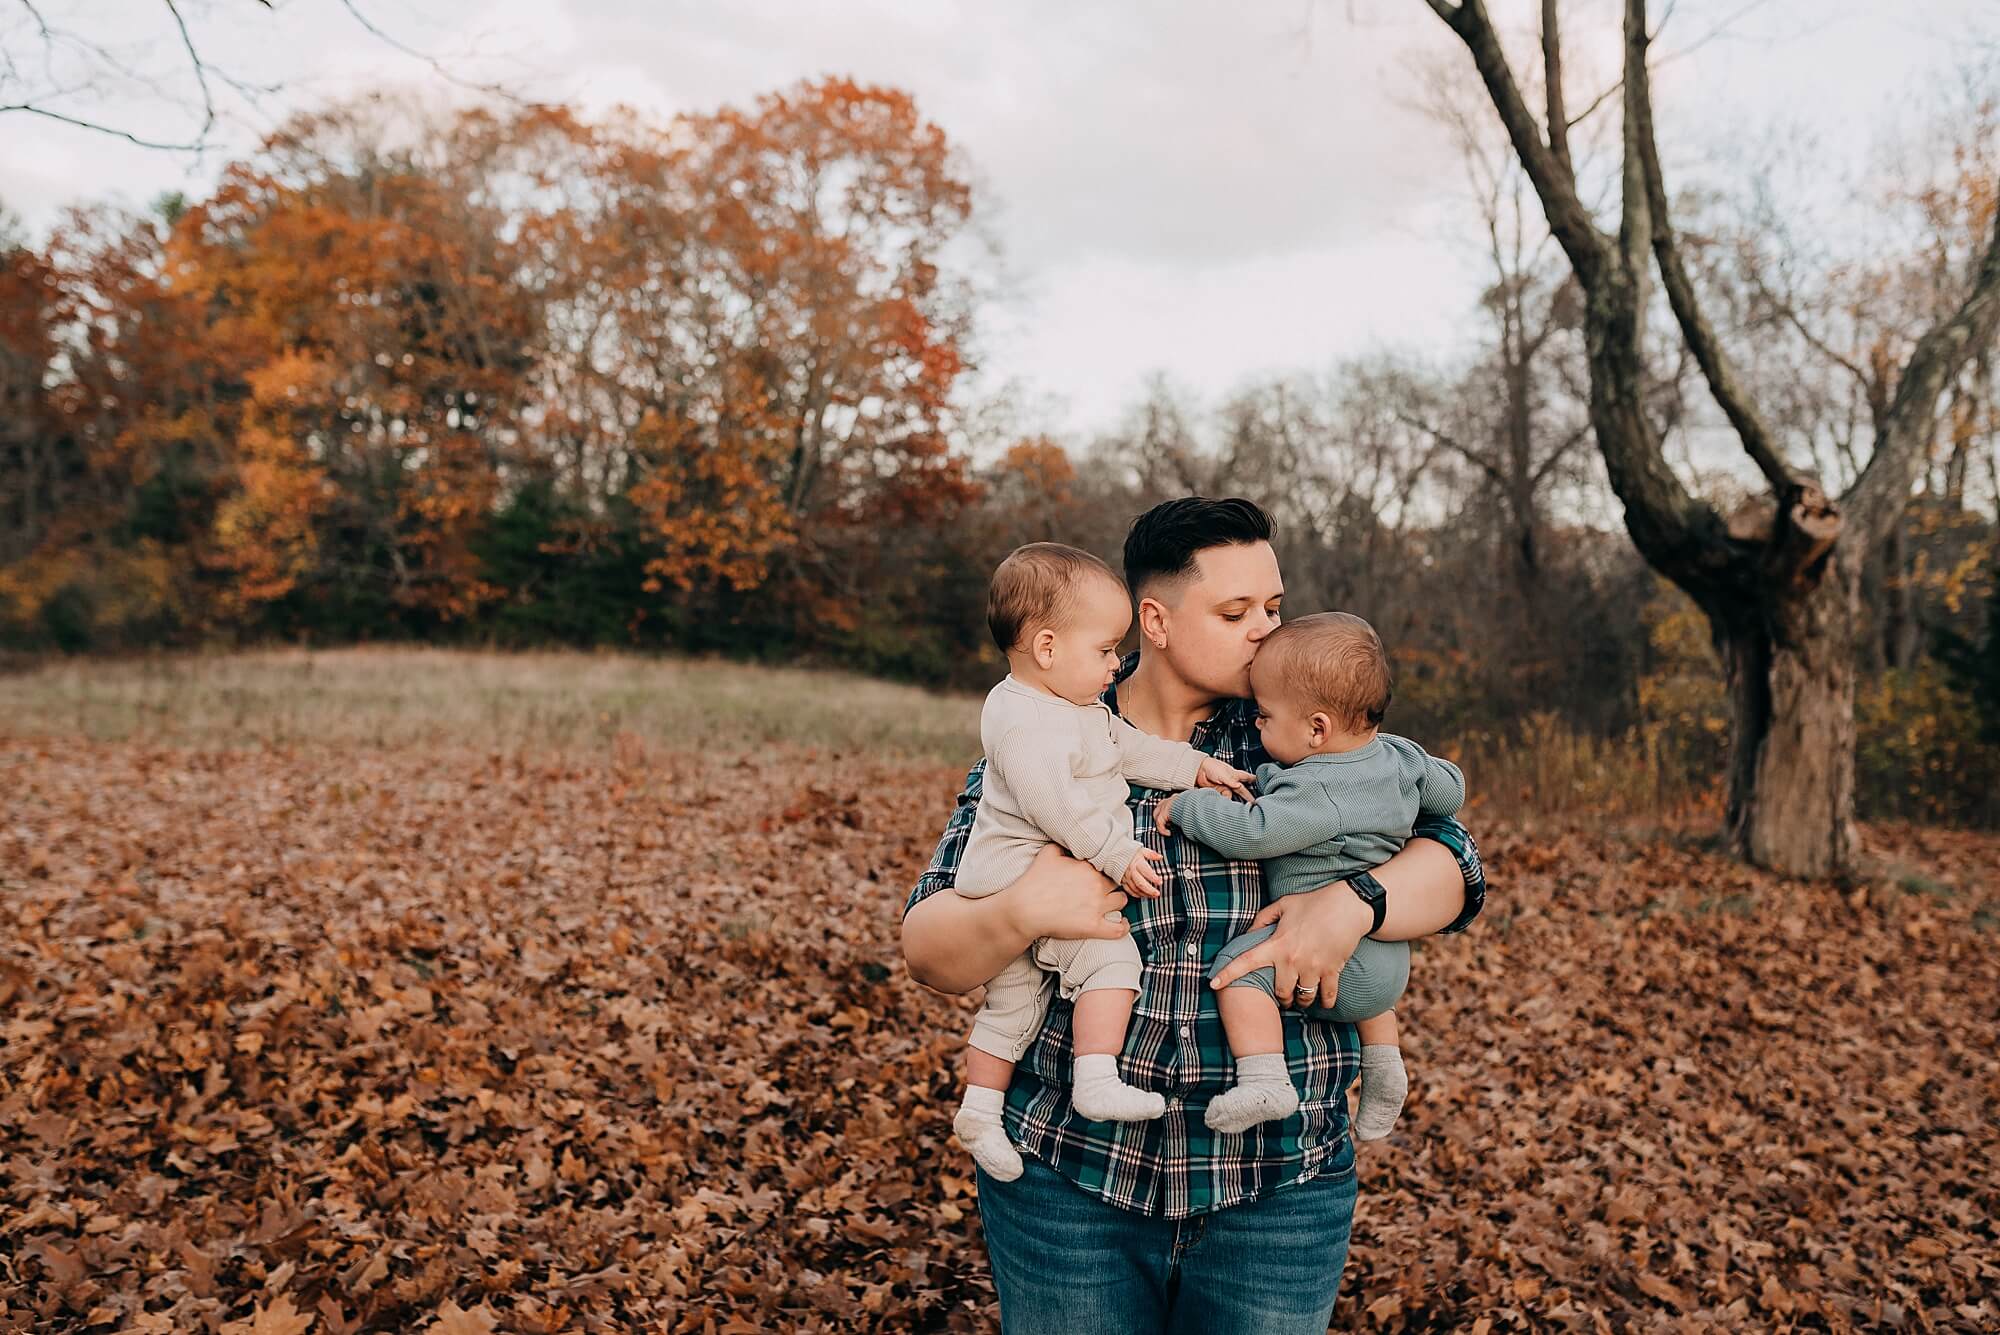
[(1373, 895)]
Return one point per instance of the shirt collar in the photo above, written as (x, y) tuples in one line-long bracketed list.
[(1230, 713)]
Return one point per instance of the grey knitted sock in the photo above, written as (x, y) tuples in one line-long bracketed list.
[(1098, 1093), (1263, 1092), (983, 1132), (1384, 1084)]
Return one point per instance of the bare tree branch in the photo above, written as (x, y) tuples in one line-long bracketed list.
[(1635, 221), (437, 67), (1878, 496), (1554, 184), (1714, 32), (1615, 90), (1560, 453), (43, 94), (1695, 328), (32, 110), (1787, 310), (1552, 78), (1443, 438), (41, 24), (1678, 533), (200, 74)]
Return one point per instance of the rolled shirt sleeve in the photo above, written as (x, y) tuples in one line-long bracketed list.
[(1441, 791), (1447, 831)]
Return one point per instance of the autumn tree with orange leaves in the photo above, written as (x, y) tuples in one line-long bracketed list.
[(731, 340), (825, 420), (383, 347)]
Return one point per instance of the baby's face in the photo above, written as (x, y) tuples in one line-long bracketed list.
[(1086, 650), (1285, 724)]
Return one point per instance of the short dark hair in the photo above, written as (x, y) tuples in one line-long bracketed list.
[(1163, 542), (1036, 586)]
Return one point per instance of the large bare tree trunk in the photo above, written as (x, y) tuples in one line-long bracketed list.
[(1781, 589), (1791, 773)]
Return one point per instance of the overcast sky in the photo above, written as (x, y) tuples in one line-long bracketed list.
[(1211, 190)]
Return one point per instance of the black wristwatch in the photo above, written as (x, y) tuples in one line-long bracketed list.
[(1373, 895)]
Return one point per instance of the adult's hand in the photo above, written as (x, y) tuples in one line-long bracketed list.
[(1317, 931), (1066, 898)]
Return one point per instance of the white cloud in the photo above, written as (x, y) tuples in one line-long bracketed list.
[(1207, 189)]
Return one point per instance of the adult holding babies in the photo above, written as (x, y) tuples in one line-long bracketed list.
[(1166, 1223)]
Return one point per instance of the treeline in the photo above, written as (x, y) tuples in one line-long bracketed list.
[(522, 379), (513, 376)]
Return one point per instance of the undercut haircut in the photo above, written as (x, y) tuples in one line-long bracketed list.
[(1163, 542), (1333, 662), (1037, 586)]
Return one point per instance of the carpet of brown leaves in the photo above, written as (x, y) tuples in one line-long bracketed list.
[(341, 1039)]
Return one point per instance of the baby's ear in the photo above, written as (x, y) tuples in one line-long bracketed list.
[(1044, 645), (1322, 725)]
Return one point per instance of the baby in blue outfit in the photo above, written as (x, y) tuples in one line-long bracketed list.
[(1340, 800)]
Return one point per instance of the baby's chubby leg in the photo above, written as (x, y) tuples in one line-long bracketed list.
[(1016, 999), (1263, 1091), (980, 1124), (1379, 1031), (1102, 1014), (1096, 1089), (1105, 976), (1384, 1082)]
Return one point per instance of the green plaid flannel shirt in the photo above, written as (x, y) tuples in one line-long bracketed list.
[(1175, 1166)]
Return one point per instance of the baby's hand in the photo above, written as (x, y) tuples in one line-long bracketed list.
[(1217, 774), (1140, 876), (1163, 813)]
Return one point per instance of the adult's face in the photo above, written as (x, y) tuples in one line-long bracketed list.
[(1208, 624)]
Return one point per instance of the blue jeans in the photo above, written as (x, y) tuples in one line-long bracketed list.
[(1066, 1263)]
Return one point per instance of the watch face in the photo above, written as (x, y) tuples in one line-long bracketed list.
[(1372, 894)]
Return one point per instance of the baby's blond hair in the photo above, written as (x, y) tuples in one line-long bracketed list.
[(1036, 586), (1332, 661)]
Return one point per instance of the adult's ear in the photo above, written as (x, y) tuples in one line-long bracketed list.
[(1044, 648), (1153, 622)]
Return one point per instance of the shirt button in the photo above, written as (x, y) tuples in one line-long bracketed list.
[(1194, 949), (1186, 1032)]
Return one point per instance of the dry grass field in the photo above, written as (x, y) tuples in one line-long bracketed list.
[(537, 701)]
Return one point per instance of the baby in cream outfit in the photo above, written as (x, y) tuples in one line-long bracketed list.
[(1059, 765)]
